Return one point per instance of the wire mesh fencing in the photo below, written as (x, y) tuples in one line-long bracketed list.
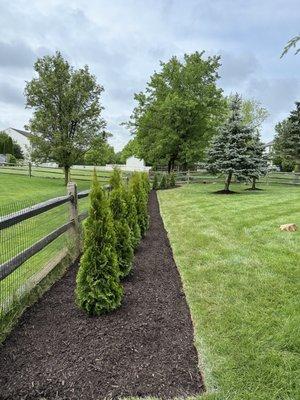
[(17, 239)]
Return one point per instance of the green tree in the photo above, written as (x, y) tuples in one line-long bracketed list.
[(230, 152), (98, 288), (6, 144), (258, 160), (129, 150), (290, 44), (100, 153), (115, 179), (287, 139), (179, 111), (132, 217), (66, 118), (123, 234), (141, 195)]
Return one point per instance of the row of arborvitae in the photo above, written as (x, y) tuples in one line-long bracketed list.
[(117, 220), (164, 181)]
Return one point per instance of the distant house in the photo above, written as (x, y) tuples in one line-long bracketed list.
[(269, 146), (132, 164), (2, 159), (22, 138)]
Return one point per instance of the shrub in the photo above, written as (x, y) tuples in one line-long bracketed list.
[(172, 180), (163, 182), (11, 159), (146, 182), (122, 230), (155, 182), (98, 288), (132, 217), (137, 187), (115, 179)]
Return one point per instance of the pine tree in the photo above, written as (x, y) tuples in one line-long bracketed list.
[(172, 181), (132, 217), (163, 182), (229, 152), (115, 179), (136, 185), (123, 235), (98, 288), (258, 160)]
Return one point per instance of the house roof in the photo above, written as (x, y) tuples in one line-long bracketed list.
[(24, 133), (269, 143)]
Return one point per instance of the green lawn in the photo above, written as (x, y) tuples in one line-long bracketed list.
[(241, 278), (18, 192)]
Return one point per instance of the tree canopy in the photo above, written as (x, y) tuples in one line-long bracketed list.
[(67, 111), (179, 111), (287, 139), (9, 146), (231, 150)]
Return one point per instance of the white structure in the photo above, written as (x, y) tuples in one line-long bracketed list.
[(269, 146), (132, 164), (20, 137)]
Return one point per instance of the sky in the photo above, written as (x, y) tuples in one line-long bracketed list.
[(123, 41)]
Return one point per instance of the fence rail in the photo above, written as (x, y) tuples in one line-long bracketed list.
[(8, 267)]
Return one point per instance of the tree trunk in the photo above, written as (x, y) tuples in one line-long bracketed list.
[(169, 166), (253, 183), (228, 180), (67, 174)]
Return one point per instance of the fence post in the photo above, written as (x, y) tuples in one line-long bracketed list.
[(75, 236), (29, 169), (188, 176)]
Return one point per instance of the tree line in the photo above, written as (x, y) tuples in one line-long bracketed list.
[(177, 118)]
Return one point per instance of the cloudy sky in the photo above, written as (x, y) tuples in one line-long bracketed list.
[(123, 40)]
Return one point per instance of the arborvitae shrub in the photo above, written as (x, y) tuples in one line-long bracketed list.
[(146, 182), (115, 179), (137, 187), (123, 235), (132, 217), (163, 182), (98, 287), (172, 180), (155, 182)]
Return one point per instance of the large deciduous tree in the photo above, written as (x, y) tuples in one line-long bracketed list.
[(67, 111), (287, 139), (230, 151), (179, 111)]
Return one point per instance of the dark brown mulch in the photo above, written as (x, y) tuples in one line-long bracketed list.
[(145, 348)]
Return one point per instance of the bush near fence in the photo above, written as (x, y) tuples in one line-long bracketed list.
[(37, 244)]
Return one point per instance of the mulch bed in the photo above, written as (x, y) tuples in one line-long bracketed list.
[(145, 348)]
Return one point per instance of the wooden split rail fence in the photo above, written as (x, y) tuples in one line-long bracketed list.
[(72, 226)]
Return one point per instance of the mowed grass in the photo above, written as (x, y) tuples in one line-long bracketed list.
[(18, 192), (241, 278)]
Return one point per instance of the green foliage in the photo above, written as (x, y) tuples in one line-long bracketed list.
[(137, 187), (146, 182), (11, 159), (163, 182), (100, 153), (122, 230), (155, 182), (172, 180), (290, 44), (9, 146), (115, 179), (66, 117), (287, 139), (132, 217), (130, 149), (230, 151), (98, 287), (179, 111)]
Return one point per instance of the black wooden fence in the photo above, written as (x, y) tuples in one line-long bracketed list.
[(14, 285)]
